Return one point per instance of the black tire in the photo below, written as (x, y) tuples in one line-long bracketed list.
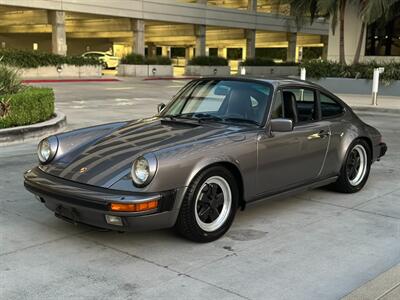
[(187, 225), (343, 183)]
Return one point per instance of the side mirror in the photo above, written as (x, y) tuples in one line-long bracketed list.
[(160, 107), (281, 125)]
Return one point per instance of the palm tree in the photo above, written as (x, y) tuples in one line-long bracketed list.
[(335, 9), (372, 11), (309, 10)]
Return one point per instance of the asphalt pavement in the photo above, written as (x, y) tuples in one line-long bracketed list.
[(315, 245)]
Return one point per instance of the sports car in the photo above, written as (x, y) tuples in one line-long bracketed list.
[(219, 145)]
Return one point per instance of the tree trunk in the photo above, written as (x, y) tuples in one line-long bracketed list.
[(359, 46), (342, 8)]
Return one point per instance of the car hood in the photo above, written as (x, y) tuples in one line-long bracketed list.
[(110, 158)]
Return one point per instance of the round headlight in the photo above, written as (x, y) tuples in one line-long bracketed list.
[(47, 149), (143, 169)]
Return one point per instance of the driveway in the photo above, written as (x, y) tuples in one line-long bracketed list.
[(315, 245)]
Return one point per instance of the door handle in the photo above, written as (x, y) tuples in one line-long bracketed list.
[(320, 135), (324, 133)]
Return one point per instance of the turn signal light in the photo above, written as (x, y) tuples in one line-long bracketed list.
[(136, 207)]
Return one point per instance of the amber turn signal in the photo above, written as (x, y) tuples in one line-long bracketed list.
[(136, 207)]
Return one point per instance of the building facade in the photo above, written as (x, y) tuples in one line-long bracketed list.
[(380, 42), (235, 29)]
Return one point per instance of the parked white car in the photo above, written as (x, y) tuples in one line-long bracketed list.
[(108, 60)]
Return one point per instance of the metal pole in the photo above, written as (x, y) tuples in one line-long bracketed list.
[(303, 73), (375, 86)]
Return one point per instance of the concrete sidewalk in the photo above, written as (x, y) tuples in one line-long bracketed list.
[(384, 287), (363, 102)]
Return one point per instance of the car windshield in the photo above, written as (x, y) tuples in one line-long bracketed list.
[(243, 102)]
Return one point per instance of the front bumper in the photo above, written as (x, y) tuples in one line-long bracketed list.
[(80, 203)]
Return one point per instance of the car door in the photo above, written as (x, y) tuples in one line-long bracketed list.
[(289, 159), (332, 112)]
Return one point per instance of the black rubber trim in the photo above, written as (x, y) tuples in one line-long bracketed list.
[(383, 148)]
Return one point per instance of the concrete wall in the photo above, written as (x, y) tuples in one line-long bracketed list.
[(66, 71), (352, 32), (272, 70), (177, 12), (357, 86), (144, 70), (207, 70)]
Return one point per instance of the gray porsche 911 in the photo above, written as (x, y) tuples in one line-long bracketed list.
[(220, 144)]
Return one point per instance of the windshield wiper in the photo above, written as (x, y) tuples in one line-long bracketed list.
[(205, 117), (195, 116), (240, 120)]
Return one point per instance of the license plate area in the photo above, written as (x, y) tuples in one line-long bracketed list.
[(66, 213)]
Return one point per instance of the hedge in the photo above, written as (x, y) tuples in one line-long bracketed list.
[(321, 69), (29, 106), (137, 59), (208, 61), (35, 59), (261, 61)]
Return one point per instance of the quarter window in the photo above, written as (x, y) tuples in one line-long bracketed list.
[(329, 107)]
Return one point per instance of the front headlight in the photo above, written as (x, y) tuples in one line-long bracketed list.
[(47, 149), (144, 169)]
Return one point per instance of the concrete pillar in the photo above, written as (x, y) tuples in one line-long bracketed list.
[(189, 53), (138, 38), (250, 43), (58, 37), (324, 40), (222, 52), (252, 5), (151, 50), (166, 51), (292, 44), (200, 33)]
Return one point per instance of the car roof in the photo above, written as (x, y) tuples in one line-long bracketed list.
[(273, 80)]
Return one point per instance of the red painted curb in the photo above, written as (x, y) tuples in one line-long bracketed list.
[(170, 78), (68, 80)]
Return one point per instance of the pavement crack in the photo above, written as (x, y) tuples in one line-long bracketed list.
[(44, 243), (170, 269), (217, 286)]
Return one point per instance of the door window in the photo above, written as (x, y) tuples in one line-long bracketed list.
[(300, 104)]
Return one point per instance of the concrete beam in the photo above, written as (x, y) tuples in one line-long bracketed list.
[(58, 36), (177, 12)]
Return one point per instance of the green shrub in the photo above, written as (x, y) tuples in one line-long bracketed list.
[(10, 82), (262, 61), (133, 59), (158, 60), (208, 61), (29, 106), (35, 59), (321, 69), (138, 59)]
